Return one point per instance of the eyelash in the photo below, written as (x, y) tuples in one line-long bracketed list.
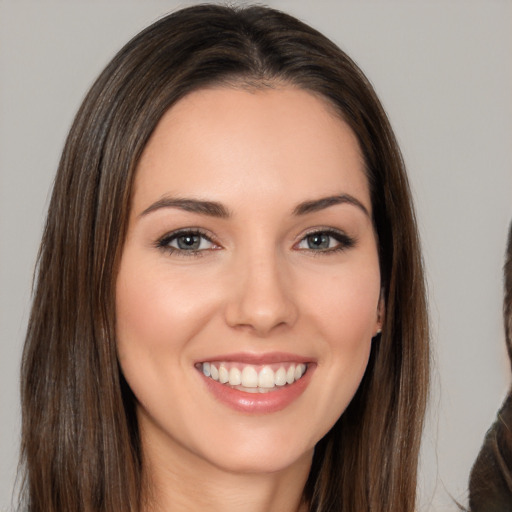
[(344, 242), (164, 242)]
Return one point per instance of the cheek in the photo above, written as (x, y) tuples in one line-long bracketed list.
[(346, 307), (345, 313), (156, 311), (158, 314)]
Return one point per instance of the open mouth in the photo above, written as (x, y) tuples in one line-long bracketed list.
[(253, 378)]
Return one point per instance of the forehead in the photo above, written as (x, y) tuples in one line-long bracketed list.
[(224, 141)]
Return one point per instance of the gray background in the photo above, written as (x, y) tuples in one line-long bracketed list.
[(443, 70)]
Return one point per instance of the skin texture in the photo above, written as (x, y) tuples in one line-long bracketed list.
[(254, 286)]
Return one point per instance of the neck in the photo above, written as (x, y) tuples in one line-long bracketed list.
[(181, 481)]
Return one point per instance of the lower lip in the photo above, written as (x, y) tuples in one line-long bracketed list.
[(259, 403)]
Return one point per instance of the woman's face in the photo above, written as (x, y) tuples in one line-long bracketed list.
[(248, 291)]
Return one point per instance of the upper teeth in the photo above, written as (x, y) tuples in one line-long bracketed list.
[(249, 376)]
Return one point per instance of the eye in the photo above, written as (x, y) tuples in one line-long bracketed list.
[(183, 241), (326, 241)]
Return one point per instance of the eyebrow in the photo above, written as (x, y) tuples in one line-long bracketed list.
[(210, 208), (325, 202), (215, 209)]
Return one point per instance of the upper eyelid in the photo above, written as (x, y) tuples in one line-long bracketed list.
[(322, 229), (183, 231)]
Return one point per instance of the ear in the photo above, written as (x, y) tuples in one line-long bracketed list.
[(381, 311)]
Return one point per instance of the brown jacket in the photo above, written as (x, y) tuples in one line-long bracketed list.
[(490, 484)]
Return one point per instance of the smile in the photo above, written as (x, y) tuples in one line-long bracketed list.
[(257, 383), (253, 378)]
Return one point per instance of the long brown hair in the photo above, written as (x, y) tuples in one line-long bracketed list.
[(490, 482), (80, 444)]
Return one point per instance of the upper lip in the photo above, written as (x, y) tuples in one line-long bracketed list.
[(258, 359)]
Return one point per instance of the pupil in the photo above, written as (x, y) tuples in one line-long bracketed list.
[(188, 242), (318, 241)]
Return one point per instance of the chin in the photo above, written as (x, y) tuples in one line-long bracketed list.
[(260, 461), (260, 450)]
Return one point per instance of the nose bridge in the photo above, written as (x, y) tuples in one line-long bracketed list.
[(262, 297)]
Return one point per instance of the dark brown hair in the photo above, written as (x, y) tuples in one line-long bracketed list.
[(490, 482), (80, 445)]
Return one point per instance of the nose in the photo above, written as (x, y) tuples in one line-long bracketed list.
[(262, 295)]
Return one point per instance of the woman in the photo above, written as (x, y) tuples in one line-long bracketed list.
[(230, 230), (490, 483)]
